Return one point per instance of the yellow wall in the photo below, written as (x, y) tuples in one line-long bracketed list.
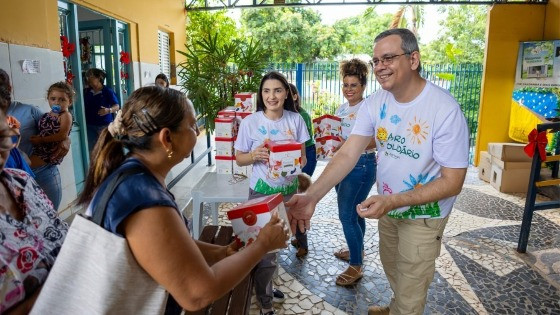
[(30, 23), (504, 33), (145, 18), (35, 23), (552, 20)]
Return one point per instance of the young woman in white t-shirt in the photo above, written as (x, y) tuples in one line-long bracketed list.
[(355, 187), (276, 118)]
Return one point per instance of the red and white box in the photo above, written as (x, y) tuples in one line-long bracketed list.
[(226, 127), (224, 164), (241, 115), (244, 102), (228, 112), (327, 125), (325, 147), (224, 146), (250, 217), (242, 170), (284, 158)]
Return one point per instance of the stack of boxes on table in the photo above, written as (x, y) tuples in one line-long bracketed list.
[(227, 124), (327, 130), (506, 167)]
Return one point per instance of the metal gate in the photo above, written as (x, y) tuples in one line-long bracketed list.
[(320, 87)]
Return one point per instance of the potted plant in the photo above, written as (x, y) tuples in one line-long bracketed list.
[(215, 70)]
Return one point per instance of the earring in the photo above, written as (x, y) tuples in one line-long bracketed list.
[(169, 153)]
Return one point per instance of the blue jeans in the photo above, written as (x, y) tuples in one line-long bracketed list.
[(48, 178), (93, 132), (311, 155), (352, 190)]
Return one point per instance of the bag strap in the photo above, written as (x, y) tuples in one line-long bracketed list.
[(100, 208)]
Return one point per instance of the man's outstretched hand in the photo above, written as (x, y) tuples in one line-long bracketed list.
[(375, 207), (301, 208)]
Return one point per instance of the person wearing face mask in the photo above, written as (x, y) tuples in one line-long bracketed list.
[(31, 233), (54, 127), (28, 117), (16, 159)]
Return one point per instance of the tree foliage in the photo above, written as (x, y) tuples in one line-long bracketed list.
[(357, 33), (462, 37), (291, 34), (201, 23)]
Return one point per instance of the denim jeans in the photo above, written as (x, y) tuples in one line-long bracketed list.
[(93, 132), (311, 156), (48, 178), (352, 190)]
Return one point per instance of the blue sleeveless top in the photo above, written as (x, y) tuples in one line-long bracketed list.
[(136, 192)]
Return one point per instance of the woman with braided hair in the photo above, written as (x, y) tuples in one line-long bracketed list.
[(158, 128)]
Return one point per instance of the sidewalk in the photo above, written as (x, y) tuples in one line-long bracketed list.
[(478, 271)]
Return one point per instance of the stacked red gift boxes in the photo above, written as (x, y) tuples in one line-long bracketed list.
[(227, 124), (327, 130)]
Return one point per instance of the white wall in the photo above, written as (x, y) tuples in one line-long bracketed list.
[(32, 89)]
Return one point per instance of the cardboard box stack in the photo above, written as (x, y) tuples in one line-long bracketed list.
[(284, 158), (510, 167), (250, 217), (484, 166), (227, 124), (224, 164)]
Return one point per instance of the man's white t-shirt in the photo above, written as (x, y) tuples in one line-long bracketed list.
[(256, 129), (414, 140)]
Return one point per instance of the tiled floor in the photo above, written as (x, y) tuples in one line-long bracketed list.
[(478, 272)]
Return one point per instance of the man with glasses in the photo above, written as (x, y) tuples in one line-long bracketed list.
[(422, 142)]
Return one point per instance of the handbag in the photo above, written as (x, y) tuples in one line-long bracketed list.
[(96, 273)]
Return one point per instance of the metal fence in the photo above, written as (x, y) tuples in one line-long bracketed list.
[(319, 85)]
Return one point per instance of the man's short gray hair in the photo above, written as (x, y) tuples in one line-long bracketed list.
[(409, 43)]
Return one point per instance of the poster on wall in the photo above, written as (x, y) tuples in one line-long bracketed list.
[(536, 94)]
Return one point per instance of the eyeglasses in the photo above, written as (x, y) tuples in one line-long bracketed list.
[(352, 86), (8, 142), (386, 61)]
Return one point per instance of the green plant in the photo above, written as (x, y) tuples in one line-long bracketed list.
[(324, 102), (214, 70)]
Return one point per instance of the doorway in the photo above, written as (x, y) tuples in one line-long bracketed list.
[(99, 41)]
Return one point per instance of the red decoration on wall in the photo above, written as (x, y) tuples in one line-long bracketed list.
[(124, 59), (67, 49)]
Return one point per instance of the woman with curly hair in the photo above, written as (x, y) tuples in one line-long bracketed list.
[(355, 187)]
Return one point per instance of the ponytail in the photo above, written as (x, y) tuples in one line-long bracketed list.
[(107, 156)]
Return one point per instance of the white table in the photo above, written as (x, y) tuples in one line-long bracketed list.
[(215, 188)]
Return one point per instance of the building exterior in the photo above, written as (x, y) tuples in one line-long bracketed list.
[(146, 32), (150, 32)]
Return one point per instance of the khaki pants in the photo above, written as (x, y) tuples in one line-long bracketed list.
[(408, 250)]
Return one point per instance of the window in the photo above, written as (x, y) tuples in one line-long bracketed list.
[(163, 53)]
